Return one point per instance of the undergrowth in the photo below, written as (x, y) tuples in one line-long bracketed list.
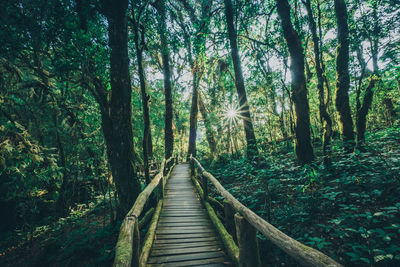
[(85, 238), (349, 210)]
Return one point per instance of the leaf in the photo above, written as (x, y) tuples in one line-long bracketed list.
[(365, 260)]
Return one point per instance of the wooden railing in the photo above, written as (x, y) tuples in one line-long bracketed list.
[(128, 251), (246, 224)]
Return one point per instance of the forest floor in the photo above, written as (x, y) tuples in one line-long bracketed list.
[(349, 211), (84, 238)]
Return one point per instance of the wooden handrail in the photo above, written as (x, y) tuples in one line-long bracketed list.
[(128, 245), (303, 254)]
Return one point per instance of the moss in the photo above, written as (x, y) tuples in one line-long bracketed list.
[(227, 239), (124, 247), (148, 240)]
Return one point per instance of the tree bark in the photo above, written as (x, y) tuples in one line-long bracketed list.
[(244, 110), (209, 130), (362, 112), (147, 142), (323, 113), (304, 150), (343, 77), (201, 25), (168, 115), (118, 132)]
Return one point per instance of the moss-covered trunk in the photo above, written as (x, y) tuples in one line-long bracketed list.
[(343, 77), (147, 142), (120, 134), (304, 150), (323, 113)]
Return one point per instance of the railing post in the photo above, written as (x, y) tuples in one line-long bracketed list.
[(161, 187), (136, 243), (229, 213), (247, 240), (204, 182), (191, 161)]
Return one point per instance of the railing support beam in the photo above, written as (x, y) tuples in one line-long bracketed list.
[(229, 213), (249, 255)]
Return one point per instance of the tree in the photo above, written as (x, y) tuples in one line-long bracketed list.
[(303, 147), (323, 113), (209, 131), (196, 49), (244, 109), (118, 129), (343, 77), (138, 36), (168, 115), (362, 110)]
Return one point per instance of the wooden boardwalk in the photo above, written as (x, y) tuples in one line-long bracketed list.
[(185, 235)]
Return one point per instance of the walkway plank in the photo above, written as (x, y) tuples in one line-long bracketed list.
[(185, 235)]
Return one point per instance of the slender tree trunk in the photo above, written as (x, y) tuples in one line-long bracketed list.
[(201, 24), (252, 150), (209, 130), (304, 150), (120, 134), (323, 113), (168, 115), (193, 117), (147, 142), (343, 77), (362, 111)]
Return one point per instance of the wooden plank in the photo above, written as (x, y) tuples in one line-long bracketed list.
[(185, 224), (192, 228), (180, 236), (186, 257), (182, 208), (193, 216), (184, 240), (184, 214), (182, 219), (178, 231), (185, 211), (187, 245), (221, 261), (179, 251)]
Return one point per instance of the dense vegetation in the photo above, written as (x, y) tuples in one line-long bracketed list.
[(293, 105)]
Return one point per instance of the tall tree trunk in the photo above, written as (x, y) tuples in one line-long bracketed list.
[(244, 109), (168, 115), (147, 142), (201, 24), (362, 111), (193, 116), (323, 113), (209, 130), (120, 139), (343, 77), (304, 150)]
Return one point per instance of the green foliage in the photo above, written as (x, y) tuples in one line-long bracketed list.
[(348, 210)]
